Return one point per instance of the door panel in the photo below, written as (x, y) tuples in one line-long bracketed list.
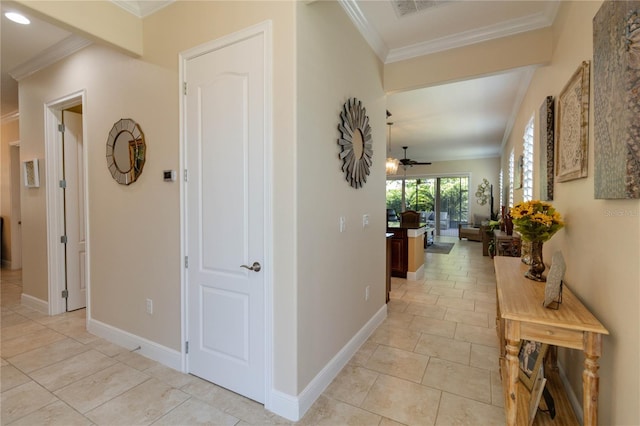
[(225, 138), (74, 211)]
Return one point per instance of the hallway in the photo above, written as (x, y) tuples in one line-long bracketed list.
[(433, 361)]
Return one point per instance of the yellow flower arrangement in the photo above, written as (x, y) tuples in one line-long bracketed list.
[(536, 220)]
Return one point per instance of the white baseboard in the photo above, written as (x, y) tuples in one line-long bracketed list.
[(35, 303), (294, 408), (162, 354), (573, 399), (284, 405), (287, 406), (417, 275)]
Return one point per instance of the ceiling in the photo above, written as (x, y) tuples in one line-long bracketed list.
[(461, 120)]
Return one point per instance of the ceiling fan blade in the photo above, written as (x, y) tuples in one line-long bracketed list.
[(409, 162)]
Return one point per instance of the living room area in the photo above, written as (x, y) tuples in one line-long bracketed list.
[(444, 196)]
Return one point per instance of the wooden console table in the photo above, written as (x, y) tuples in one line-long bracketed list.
[(521, 316)]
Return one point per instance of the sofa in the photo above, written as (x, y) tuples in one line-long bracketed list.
[(469, 232), (472, 231)]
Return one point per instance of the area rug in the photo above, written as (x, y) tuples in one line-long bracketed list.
[(440, 248)]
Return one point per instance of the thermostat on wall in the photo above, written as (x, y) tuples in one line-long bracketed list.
[(169, 175)]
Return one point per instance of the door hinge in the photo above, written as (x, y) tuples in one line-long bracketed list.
[(61, 128), (186, 262), (63, 239), (186, 347), (186, 175), (62, 183), (65, 294), (184, 88)]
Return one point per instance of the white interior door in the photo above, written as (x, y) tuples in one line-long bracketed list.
[(225, 202), (74, 211)]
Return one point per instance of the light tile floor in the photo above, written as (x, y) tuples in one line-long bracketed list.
[(432, 362)]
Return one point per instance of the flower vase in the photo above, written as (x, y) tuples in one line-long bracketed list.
[(526, 252), (536, 268), (508, 225)]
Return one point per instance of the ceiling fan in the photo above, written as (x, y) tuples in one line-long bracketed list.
[(408, 162)]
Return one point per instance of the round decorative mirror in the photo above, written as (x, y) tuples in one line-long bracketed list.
[(355, 142), (126, 151)]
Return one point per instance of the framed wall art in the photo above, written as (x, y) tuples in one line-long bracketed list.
[(616, 98), (31, 173), (530, 359), (536, 394), (553, 286), (547, 142), (572, 133)]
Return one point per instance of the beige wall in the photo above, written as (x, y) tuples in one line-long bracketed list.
[(186, 24), (135, 230), (10, 133), (601, 248), (334, 64), (476, 169)]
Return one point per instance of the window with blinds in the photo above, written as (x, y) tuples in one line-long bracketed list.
[(527, 175), (512, 164), (501, 177)]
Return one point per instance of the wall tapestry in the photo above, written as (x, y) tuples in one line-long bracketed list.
[(616, 73), (546, 149), (572, 144)]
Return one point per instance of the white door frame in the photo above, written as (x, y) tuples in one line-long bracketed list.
[(265, 29), (55, 202), (15, 225)]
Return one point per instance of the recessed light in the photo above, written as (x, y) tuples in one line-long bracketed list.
[(18, 18)]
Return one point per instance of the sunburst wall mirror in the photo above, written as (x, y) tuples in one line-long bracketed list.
[(356, 145), (126, 151)]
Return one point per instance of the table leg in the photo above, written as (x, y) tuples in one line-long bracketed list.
[(512, 348), (590, 379)]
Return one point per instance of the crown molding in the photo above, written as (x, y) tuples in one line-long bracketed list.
[(504, 29), (9, 117), (365, 28), (142, 9), (551, 11), (49, 56)]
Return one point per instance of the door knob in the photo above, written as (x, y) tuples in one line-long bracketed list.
[(255, 267)]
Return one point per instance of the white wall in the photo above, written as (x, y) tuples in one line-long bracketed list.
[(334, 64), (601, 248)]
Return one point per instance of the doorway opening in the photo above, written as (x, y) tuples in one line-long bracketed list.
[(442, 201), (66, 194), (14, 240)]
